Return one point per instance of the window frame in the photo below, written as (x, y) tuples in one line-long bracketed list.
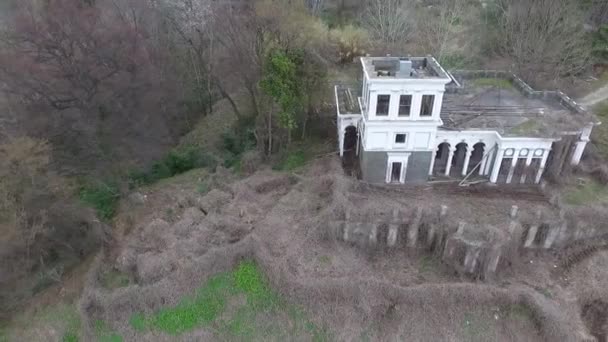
[(409, 106), (422, 105), (388, 105), (404, 139)]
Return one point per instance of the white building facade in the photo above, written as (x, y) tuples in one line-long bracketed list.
[(395, 129)]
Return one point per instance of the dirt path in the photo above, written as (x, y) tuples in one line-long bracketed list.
[(595, 97)]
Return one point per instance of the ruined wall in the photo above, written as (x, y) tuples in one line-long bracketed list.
[(480, 251)]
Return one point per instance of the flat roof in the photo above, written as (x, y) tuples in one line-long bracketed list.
[(403, 68), (347, 99), (497, 104)]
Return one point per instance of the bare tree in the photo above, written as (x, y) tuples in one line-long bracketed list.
[(439, 25), (315, 6), (544, 37), (388, 21)]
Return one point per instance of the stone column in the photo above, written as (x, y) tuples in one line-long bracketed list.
[(482, 164), (432, 162), (581, 144), (490, 158), (513, 164), (467, 159), (496, 167), (528, 163), (578, 152), (341, 141), (543, 163), (448, 165)]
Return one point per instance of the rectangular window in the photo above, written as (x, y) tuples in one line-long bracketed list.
[(426, 107), (400, 138), (382, 105), (405, 105)]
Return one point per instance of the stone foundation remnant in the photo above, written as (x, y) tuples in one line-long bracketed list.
[(480, 251)]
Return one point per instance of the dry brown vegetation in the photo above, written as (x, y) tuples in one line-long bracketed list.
[(280, 220), (43, 230)]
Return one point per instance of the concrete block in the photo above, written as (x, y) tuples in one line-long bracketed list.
[(346, 232), (493, 260), (551, 237), (460, 230), (430, 235), (471, 259), (391, 239), (444, 211), (514, 210), (531, 235), (412, 232), (373, 234)]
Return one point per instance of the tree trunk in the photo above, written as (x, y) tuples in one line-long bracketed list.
[(227, 96), (270, 132)]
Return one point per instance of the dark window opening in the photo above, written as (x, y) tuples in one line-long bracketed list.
[(405, 105), (396, 173), (400, 138), (382, 105), (426, 108)]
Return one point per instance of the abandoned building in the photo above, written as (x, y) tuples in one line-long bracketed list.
[(410, 120)]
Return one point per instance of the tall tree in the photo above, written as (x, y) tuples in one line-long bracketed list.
[(281, 83), (388, 21), (544, 37)]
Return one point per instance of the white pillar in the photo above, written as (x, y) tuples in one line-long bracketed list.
[(513, 164), (490, 157), (432, 162), (448, 166), (528, 163), (497, 164), (578, 152), (541, 169), (358, 135), (482, 163), (467, 159), (581, 144), (341, 142)]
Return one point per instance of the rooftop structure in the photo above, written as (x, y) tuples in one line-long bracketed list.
[(401, 68), (493, 100)]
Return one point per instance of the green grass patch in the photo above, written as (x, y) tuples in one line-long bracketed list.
[(62, 318), (238, 304), (428, 264), (138, 322), (114, 279), (103, 196), (294, 160), (105, 334), (456, 62), (492, 82), (325, 259), (599, 135), (588, 191), (530, 126), (3, 334)]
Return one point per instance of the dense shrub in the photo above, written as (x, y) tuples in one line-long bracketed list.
[(236, 141), (292, 160), (174, 163), (103, 196)]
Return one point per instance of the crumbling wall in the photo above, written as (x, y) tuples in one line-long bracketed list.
[(478, 251)]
